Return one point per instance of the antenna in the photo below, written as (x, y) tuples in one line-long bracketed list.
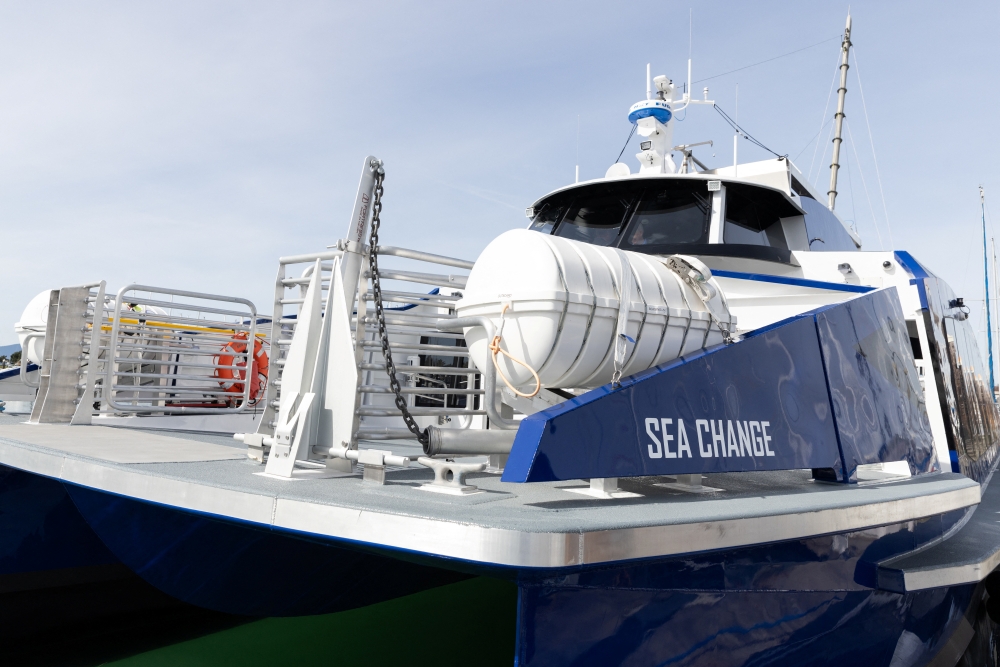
[(577, 148), (649, 84), (736, 137), (687, 88), (996, 288), (986, 293)]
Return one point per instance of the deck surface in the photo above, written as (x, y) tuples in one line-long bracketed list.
[(116, 445), (541, 523), (965, 557)]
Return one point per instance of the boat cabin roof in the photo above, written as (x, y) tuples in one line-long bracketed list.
[(761, 210)]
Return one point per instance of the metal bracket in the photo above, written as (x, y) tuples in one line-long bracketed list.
[(496, 463), (689, 484), (374, 461), (604, 488), (256, 445)]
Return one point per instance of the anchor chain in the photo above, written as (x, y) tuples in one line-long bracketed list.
[(390, 367)]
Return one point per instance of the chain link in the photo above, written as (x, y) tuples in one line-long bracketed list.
[(390, 367)]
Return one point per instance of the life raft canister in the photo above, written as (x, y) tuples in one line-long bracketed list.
[(232, 381)]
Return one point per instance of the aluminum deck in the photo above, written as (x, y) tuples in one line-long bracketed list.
[(964, 558), (517, 525)]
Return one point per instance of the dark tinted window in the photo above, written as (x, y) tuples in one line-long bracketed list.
[(597, 217), (825, 231), (753, 216), (675, 212), (548, 214), (800, 189)]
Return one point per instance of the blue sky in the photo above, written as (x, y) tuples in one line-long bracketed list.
[(189, 144)]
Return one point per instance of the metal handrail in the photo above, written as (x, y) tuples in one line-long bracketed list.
[(310, 257), (442, 280), (406, 253), (161, 393)]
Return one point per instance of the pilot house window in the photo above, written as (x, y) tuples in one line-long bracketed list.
[(670, 214), (596, 219), (752, 218)]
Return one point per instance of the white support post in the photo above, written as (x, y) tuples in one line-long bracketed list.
[(295, 410), (85, 408), (717, 227), (338, 418), (357, 232)]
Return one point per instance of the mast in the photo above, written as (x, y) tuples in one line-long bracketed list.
[(986, 275), (845, 48), (996, 288)]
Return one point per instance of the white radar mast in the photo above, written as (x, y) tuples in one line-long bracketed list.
[(654, 121)]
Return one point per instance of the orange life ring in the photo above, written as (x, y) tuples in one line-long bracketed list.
[(232, 381)]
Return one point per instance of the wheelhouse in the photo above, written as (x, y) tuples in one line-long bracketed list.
[(706, 213)]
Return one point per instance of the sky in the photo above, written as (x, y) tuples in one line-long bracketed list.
[(190, 144)]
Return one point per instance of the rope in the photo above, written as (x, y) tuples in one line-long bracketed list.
[(496, 349), (878, 175), (743, 133), (783, 55), (829, 95), (631, 132), (861, 171)]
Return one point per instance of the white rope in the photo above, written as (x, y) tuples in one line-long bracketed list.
[(857, 73), (864, 183), (833, 84), (495, 349), (624, 306)]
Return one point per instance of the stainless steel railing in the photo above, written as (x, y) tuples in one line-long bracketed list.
[(439, 383), (174, 351)]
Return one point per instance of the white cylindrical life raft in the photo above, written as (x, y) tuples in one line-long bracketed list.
[(32, 323), (559, 303)]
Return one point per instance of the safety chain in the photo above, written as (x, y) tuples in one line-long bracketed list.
[(390, 367)]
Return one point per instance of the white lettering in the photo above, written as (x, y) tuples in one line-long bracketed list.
[(734, 448), (767, 438), (719, 437), (729, 438), (667, 438), (758, 444), (704, 450), (657, 453), (746, 444), (682, 440)]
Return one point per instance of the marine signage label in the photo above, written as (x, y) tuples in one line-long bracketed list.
[(726, 438), (760, 404)]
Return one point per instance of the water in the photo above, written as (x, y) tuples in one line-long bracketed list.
[(127, 623)]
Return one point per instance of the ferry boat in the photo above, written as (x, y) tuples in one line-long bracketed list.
[(683, 410)]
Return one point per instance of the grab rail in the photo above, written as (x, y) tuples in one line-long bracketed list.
[(159, 363)]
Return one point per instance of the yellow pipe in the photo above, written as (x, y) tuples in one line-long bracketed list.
[(167, 325)]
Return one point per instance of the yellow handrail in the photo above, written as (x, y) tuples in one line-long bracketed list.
[(174, 327)]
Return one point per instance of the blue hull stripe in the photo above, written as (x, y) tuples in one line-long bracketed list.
[(918, 272), (14, 372), (798, 282)]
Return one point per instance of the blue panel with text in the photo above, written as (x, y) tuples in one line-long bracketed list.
[(763, 403)]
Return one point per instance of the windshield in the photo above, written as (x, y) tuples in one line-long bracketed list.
[(753, 217), (665, 212), (597, 217), (671, 214)]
